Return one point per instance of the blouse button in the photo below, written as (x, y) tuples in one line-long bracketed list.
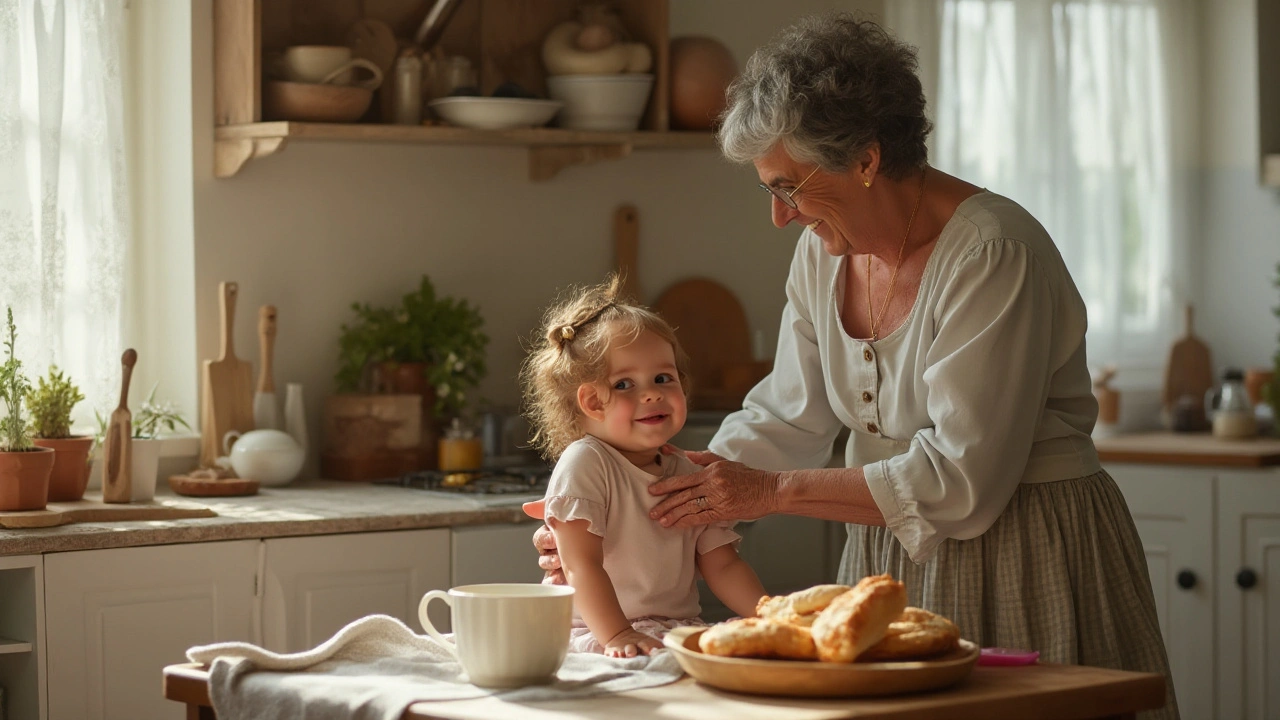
[(871, 428), (866, 396), (866, 355)]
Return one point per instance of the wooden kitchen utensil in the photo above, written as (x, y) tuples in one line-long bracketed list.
[(228, 386), (91, 509), (626, 248), (712, 327), (1189, 373), (117, 450), (264, 400)]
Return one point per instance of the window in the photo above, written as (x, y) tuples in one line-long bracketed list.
[(1083, 112)]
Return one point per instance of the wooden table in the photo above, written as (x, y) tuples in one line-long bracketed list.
[(1045, 692)]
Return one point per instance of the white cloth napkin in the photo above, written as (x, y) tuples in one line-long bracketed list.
[(376, 667)]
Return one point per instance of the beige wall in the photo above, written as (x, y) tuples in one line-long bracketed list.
[(318, 226)]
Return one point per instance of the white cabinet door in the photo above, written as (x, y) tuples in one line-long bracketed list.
[(495, 554), (1173, 509), (314, 586), (1249, 595), (115, 618), (22, 645)]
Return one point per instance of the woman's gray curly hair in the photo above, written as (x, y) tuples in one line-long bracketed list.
[(828, 88)]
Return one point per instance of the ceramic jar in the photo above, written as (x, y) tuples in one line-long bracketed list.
[(269, 456)]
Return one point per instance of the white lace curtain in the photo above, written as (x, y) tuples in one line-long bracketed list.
[(1084, 112), (64, 201)]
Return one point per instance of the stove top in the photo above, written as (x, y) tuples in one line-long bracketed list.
[(502, 485)]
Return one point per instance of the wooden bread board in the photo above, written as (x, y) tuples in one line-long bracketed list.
[(228, 386), (211, 486), (712, 328), (92, 509), (1189, 372)]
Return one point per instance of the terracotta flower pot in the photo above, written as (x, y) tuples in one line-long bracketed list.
[(24, 479), (70, 466)]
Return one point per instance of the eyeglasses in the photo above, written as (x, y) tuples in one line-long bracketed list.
[(788, 198)]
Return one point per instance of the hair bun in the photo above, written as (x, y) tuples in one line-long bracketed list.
[(567, 332)]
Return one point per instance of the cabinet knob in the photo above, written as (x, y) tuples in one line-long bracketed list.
[(1186, 579), (1246, 579)]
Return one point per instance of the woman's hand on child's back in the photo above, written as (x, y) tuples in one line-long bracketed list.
[(630, 643)]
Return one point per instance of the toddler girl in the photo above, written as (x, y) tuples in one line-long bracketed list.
[(605, 388)]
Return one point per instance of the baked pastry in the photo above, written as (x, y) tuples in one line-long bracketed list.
[(758, 638), (917, 633), (802, 607), (858, 619)]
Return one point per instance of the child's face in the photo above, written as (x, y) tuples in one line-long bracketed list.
[(641, 403)]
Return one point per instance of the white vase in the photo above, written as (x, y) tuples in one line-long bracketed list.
[(295, 415), (146, 465), (142, 477)]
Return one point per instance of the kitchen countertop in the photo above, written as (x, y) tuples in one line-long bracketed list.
[(1170, 448), (314, 507)]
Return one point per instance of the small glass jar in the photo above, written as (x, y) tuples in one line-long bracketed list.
[(407, 102), (460, 449), (1230, 411)]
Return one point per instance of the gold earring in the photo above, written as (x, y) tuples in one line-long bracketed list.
[(867, 183)]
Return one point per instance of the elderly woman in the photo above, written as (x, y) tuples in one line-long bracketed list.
[(938, 323)]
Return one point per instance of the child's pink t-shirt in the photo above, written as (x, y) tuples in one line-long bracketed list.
[(652, 567)]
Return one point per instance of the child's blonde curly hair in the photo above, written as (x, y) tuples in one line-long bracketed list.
[(572, 348)]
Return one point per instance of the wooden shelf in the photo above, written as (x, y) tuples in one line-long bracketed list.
[(550, 149), (501, 37), (8, 646)]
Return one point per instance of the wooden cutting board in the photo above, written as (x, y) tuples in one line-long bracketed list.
[(626, 249), (212, 486), (1189, 371), (92, 509), (712, 327), (227, 386)]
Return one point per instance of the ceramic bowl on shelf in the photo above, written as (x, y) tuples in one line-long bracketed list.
[(601, 102), (314, 102), (490, 113)]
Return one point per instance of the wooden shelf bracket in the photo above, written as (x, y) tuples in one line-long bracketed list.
[(545, 161), (229, 155)]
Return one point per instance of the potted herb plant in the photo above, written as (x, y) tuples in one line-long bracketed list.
[(24, 468), (427, 345), (51, 403), (152, 421)]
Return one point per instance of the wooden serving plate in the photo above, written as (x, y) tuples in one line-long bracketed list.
[(212, 487), (802, 678)]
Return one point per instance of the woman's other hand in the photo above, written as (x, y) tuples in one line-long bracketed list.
[(631, 642), (545, 541), (722, 491)]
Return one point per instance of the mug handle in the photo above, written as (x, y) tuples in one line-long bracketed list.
[(426, 621), (228, 440), (372, 83)]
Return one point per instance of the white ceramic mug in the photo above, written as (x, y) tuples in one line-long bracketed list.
[(506, 635), (326, 64)]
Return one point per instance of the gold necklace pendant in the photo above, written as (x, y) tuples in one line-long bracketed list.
[(874, 321)]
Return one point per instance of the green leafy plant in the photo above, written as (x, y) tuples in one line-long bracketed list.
[(443, 332), (50, 403), (15, 436), (149, 420)]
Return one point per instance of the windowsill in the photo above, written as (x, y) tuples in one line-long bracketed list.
[(171, 446)]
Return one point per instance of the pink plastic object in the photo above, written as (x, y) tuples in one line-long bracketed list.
[(1007, 656)]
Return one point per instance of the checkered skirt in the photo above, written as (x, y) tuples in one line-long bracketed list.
[(1061, 571)]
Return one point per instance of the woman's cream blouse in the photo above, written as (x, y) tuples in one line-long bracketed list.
[(983, 387)]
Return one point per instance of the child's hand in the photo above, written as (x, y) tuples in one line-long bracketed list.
[(631, 642)]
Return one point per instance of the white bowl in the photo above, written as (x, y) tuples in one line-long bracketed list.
[(485, 113), (601, 102)]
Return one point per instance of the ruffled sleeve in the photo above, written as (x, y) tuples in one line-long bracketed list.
[(578, 490), (717, 534)]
